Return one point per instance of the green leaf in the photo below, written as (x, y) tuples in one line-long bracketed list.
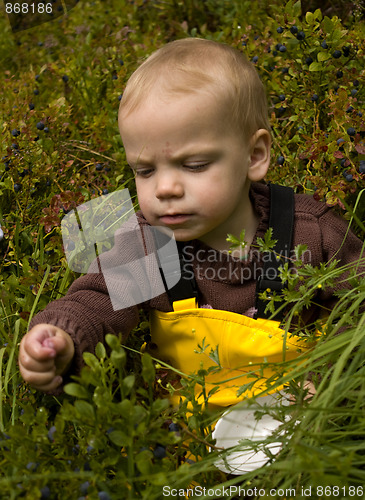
[(327, 24), (119, 438), (316, 66), (309, 17), (76, 390), (323, 56), (128, 383), (85, 409), (100, 351), (148, 369)]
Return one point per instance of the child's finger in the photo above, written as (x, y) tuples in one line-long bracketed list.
[(37, 379)]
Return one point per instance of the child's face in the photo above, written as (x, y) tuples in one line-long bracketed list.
[(192, 169)]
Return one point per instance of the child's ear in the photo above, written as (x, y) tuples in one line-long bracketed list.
[(260, 145)]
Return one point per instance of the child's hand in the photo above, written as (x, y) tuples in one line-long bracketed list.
[(45, 354)]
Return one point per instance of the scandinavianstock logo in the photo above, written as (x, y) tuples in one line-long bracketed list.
[(25, 14), (103, 236)]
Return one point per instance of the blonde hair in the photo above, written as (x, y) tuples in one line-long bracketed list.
[(195, 65)]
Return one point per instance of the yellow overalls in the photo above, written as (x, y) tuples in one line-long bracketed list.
[(243, 343)]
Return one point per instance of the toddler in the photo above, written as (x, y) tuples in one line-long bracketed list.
[(194, 124)]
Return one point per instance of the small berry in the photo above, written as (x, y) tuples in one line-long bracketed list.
[(105, 191), (174, 427), (294, 30), (15, 133), (103, 495), (17, 188), (84, 487), (40, 125), (280, 30), (31, 106), (343, 162), (159, 452), (362, 167), (301, 35), (37, 77), (355, 83), (337, 54), (35, 91), (346, 51), (349, 177), (339, 74), (121, 62), (99, 166), (314, 97), (280, 160), (351, 131), (46, 130), (309, 61), (282, 97), (255, 59), (349, 109), (340, 140), (324, 45), (45, 492), (285, 70), (353, 92), (65, 78), (282, 48)]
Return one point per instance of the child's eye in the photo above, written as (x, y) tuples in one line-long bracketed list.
[(143, 173), (198, 166)]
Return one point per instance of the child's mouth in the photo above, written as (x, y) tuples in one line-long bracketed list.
[(171, 220)]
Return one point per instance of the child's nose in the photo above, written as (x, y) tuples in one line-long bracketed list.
[(169, 185)]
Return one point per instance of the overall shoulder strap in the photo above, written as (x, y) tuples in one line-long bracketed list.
[(281, 220)]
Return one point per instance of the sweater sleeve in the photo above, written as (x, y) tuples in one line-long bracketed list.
[(343, 245)]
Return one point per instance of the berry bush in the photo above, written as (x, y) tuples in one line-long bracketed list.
[(113, 433)]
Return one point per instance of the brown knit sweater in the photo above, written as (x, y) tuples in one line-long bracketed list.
[(86, 312)]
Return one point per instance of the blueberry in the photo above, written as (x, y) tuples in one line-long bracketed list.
[(280, 160), (35, 91), (349, 177), (349, 109), (159, 452), (31, 106), (115, 76), (337, 54), (282, 48), (342, 162), (46, 130), (280, 30), (99, 166), (65, 78), (40, 125), (120, 97), (174, 427), (346, 51), (359, 114), (37, 77), (121, 62), (17, 187), (324, 45), (51, 432), (255, 59), (340, 140), (339, 74), (362, 167), (314, 97), (105, 191), (103, 495), (282, 97), (355, 83), (351, 131), (309, 61), (353, 92), (32, 466), (285, 70), (294, 30), (84, 487), (301, 35), (45, 492)]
